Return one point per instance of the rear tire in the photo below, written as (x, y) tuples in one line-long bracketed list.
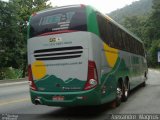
[(119, 93), (143, 84), (145, 76), (126, 90)]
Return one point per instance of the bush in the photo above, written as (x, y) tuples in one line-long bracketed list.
[(10, 73), (152, 54)]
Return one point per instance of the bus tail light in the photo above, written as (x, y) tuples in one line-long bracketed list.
[(92, 80), (30, 78)]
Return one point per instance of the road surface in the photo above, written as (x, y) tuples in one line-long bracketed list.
[(15, 100)]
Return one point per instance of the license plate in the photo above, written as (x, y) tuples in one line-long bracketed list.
[(58, 98)]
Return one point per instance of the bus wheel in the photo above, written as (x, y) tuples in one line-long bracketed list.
[(118, 99), (145, 75), (143, 84), (126, 90)]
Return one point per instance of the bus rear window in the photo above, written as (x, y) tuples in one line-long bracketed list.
[(56, 20)]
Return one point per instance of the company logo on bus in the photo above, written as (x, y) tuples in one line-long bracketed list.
[(53, 40)]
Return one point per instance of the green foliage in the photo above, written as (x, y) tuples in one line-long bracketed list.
[(152, 54), (153, 33), (154, 24), (9, 35), (133, 22), (10, 73), (14, 16), (138, 8)]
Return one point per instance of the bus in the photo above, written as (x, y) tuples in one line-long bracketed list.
[(78, 56)]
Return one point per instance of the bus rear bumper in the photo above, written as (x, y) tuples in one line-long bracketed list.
[(64, 99)]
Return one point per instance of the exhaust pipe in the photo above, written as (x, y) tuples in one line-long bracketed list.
[(38, 101)]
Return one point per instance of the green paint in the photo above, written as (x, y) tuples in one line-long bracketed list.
[(92, 24), (70, 98), (49, 84)]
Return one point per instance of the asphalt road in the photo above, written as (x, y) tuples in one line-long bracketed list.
[(15, 100)]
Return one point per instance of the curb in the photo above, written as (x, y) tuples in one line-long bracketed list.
[(13, 83)]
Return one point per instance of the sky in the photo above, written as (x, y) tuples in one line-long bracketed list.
[(104, 6)]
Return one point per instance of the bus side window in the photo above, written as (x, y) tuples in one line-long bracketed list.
[(110, 34), (105, 29), (127, 42), (124, 40), (132, 44), (101, 22), (121, 42), (115, 36)]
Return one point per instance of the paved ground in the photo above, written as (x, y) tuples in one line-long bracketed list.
[(14, 99)]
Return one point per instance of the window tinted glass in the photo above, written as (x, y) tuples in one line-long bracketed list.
[(105, 29), (116, 37), (62, 19)]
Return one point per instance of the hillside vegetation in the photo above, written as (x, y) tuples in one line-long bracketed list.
[(138, 8), (142, 18)]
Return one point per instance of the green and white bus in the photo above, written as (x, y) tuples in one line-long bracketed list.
[(78, 56)]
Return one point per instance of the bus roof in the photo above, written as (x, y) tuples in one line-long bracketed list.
[(94, 9), (61, 7)]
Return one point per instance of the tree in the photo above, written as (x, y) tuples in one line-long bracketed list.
[(133, 23), (24, 9), (14, 17), (152, 54), (153, 32), (9, 35), (154, 26)]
